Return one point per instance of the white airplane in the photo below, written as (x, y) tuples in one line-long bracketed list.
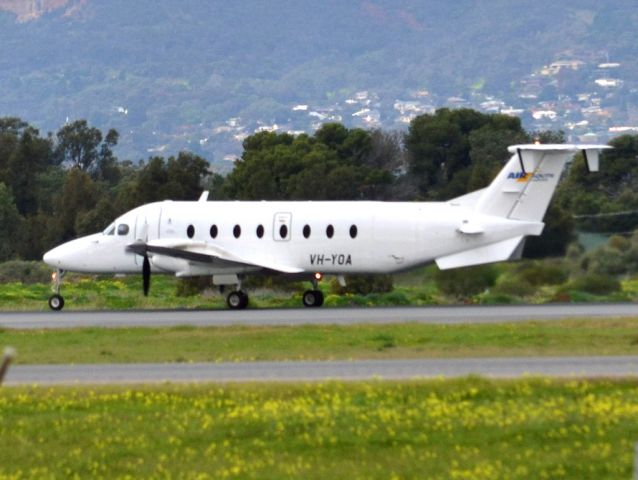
[(228, 240)]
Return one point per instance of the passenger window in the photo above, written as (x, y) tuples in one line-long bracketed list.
[(330, 231), (283, 231), (213, 231), (190, 231), (306, 231), (122, 229), (353, 231), (260, 231), (237, 231)]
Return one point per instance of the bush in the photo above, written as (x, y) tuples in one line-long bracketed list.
[(25, 272), (191, 286), (498, 299), (618, 257), (465, 282), (363, 284), (608, 261), (516, 286), (543, 273), (595, 284), (282, 283)]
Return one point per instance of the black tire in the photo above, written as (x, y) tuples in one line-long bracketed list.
[(319, 294), (237, 300), (244, 299), (56, 302), (312, 298)]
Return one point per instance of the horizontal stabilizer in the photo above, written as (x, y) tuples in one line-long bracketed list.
[(494, 252), (524, 187)]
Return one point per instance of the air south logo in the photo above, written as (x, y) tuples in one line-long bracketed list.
[(521, 177)]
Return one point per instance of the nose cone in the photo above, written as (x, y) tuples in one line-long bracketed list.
[(74, 256), (52, 257), (62, 256)]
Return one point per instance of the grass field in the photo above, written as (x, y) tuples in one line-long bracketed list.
[(309, 342), (411, 288), (460, 429)]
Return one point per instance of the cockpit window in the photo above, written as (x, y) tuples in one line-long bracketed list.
[(110, 230), (122, 229)]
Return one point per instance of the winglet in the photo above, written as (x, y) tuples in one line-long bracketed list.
[(203, 197)]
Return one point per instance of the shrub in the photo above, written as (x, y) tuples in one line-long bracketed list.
[(497, 299), (596, 284), (543, 273), (607, 261), (515, 285), (465, 282), (25, 272), (363, 284), (275, 282), (191, 286)]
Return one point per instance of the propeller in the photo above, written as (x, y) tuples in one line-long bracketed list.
[(146, 275), (140, 248)]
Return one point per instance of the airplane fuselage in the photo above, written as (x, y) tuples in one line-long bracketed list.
[(326, 237)]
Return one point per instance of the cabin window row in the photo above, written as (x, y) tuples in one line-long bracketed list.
[(283, 231)]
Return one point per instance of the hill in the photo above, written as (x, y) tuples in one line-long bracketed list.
[(203, 74)]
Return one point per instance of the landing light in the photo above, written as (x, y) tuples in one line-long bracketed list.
[(318, 276), (54, 276)]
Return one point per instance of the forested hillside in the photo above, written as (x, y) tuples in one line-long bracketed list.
[(168, 73)]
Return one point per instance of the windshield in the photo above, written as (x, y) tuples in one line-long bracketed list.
[(110, 230)]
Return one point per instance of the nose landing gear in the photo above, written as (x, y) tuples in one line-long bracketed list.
[(56, 301)]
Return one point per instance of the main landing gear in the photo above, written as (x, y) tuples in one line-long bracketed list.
[(314, 297), (238, 298), (56, 301)]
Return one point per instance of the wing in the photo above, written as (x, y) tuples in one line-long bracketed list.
[(204, 253)]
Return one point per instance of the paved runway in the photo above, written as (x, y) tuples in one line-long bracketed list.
[(316, 371), (340, 316)]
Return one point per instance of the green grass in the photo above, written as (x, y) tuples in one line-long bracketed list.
[(311, 342), (459, 429), (416, 287)]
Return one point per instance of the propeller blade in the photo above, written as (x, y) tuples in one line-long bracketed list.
[(146, 275)]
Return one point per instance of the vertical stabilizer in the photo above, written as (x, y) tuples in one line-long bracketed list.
[(523, 189)]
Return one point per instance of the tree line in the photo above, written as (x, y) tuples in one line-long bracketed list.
[(59, 186)]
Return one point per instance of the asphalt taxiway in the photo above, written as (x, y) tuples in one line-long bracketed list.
[(317, 316), (564, 367), (620, 366)]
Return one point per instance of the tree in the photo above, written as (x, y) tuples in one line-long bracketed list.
[(79, 194), (336, 163), (11, 222), (596, 198), (178, 178), (31, 155), (454, 149), (79, 146)]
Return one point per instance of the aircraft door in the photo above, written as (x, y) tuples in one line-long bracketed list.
[(282, 226)]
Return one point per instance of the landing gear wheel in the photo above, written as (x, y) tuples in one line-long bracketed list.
[(56, 302), (237, 300), (313, 298)]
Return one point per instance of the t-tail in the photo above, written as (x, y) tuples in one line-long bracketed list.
[(515, 201)]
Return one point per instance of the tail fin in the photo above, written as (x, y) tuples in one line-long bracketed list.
[(523, 189)]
